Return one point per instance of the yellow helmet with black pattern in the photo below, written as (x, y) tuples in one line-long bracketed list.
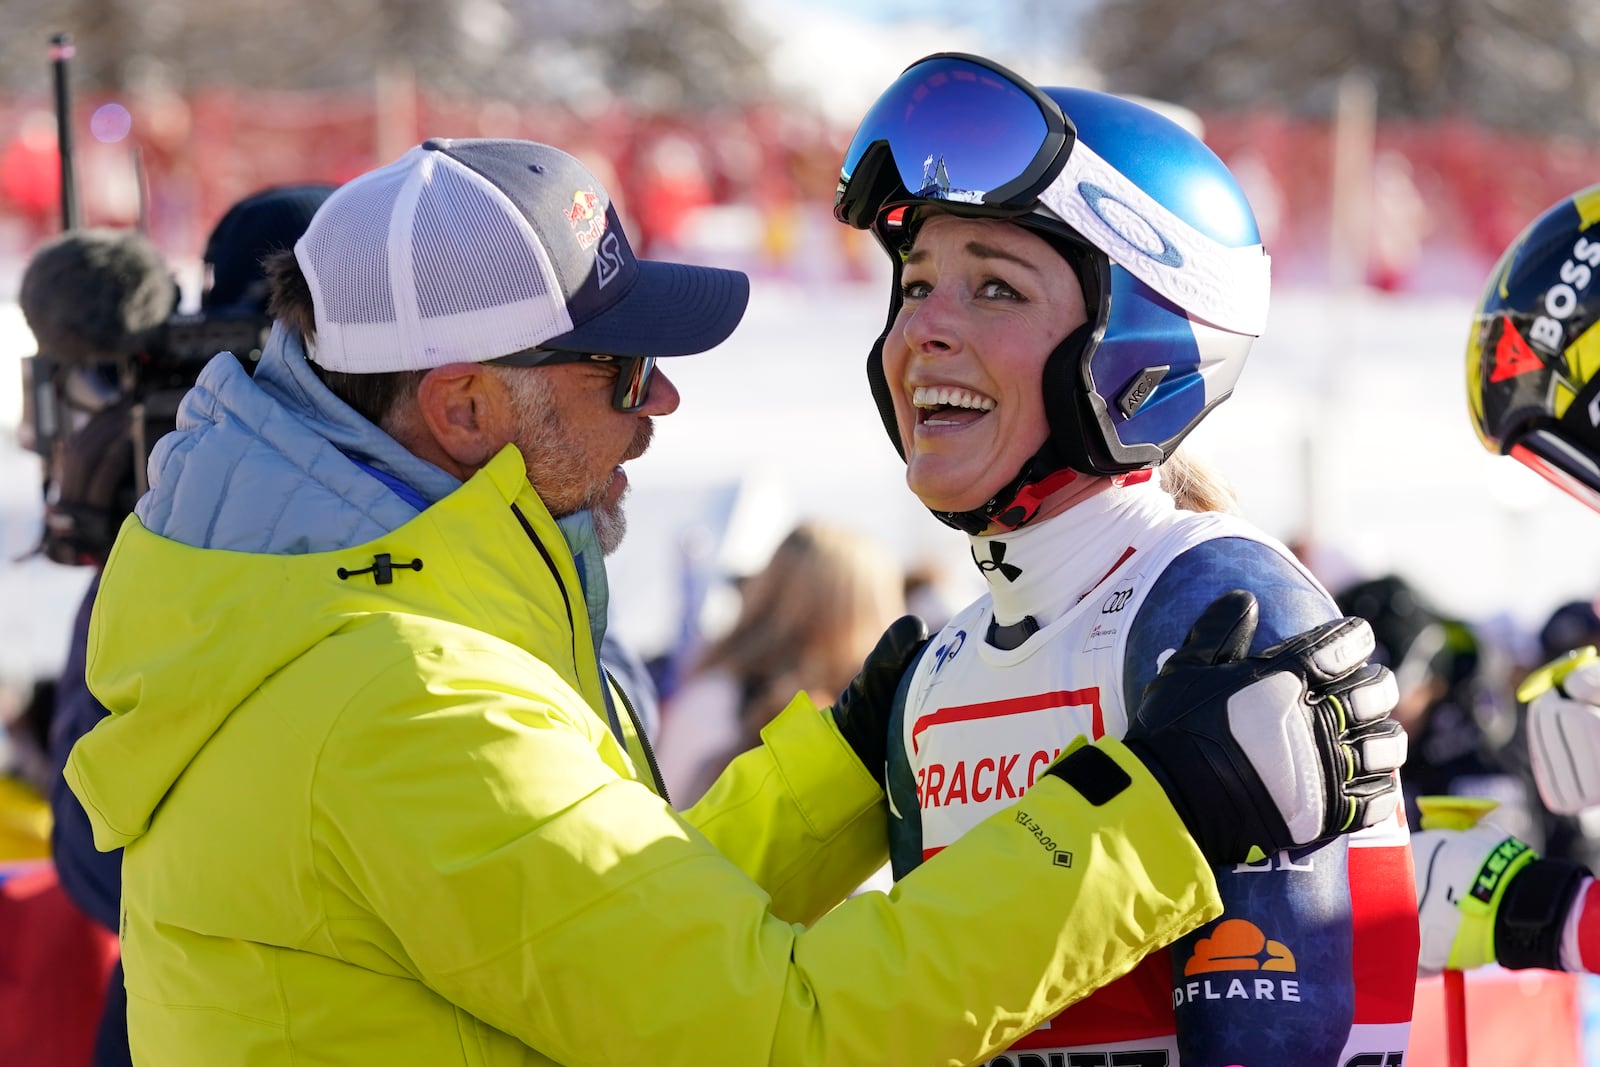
[(1533, 390)]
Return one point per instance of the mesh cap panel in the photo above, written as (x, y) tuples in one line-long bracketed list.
[(346, 256), (449, 255), (497, 269), (424, 263)]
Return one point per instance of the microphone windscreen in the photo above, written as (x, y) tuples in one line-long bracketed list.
[(91, 295)]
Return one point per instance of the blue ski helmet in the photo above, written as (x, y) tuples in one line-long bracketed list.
[(1164, 242)]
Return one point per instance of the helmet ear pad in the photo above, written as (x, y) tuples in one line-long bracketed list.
[(877, 381), (1069, 399), (1068, 405), (879, 384)]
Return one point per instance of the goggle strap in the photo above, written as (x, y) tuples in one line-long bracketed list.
[(1225, 287)]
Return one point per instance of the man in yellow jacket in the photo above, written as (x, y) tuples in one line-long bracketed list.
[(381, 805)]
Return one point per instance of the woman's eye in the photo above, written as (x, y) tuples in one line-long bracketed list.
[(994, 287), (913, 290)]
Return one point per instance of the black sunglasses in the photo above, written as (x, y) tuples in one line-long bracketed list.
[(633, 372)]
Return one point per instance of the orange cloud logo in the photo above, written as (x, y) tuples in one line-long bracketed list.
[(1237, 945)]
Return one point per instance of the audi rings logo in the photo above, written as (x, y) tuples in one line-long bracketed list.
[(1132, 227)]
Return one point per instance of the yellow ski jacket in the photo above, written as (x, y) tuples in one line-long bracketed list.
[(373, 814)]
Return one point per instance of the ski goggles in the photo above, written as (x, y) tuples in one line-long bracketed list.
[(960, 131), (633, 372), (957, 128)]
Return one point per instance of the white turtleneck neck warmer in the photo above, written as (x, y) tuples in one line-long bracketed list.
[(1046, 567)]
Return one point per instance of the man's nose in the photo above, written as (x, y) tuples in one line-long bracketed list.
[(663, 397)]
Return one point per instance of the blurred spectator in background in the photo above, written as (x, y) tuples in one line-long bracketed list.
[(93, 298), (805, 621), (24, 769), (1453, 706), (54, 962), (1572, 625), (935, 592)]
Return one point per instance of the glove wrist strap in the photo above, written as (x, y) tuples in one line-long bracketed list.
[(1532, 914)]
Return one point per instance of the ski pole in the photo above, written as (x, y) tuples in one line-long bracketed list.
[(1454, 813), (1455, 1017)]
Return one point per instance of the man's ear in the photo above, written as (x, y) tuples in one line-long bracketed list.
[(460, 406)]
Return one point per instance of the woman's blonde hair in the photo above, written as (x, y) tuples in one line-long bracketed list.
[(808, 618), (1194, 485)]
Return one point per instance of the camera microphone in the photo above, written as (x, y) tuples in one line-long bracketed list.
[(94, 295)]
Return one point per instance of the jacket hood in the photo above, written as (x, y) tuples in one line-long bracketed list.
[(274, 462), (181, 636)]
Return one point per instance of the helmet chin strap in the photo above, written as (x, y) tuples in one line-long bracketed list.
[(1017, 503)]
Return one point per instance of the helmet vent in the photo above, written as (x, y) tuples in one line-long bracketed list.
[(1133, 397)]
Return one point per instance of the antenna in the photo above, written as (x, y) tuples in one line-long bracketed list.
[(61, 52)]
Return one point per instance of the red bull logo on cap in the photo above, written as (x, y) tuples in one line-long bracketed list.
[(587, 216)]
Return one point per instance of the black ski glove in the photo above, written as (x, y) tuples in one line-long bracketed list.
[(862, 710), (1272, 751)]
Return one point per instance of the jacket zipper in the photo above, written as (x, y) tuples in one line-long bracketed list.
[(572, 626), (644, 738)]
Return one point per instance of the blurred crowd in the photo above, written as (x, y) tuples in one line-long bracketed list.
[(1458, 680)]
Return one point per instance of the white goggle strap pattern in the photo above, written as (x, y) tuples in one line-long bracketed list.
[(1226, 287)]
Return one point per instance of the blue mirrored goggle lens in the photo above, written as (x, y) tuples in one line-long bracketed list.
[(957, 131)]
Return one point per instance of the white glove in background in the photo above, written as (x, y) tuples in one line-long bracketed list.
[(1564, 741), (1447, 864)]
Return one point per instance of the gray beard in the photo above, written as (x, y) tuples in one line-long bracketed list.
[(543, 441), (610, 524)]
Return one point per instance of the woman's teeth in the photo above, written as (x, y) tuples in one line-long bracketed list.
[(928, 398)]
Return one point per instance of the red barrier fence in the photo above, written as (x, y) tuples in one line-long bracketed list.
[(1442, 198)]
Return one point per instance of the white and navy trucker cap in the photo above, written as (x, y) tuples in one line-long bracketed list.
[(463, 251)]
